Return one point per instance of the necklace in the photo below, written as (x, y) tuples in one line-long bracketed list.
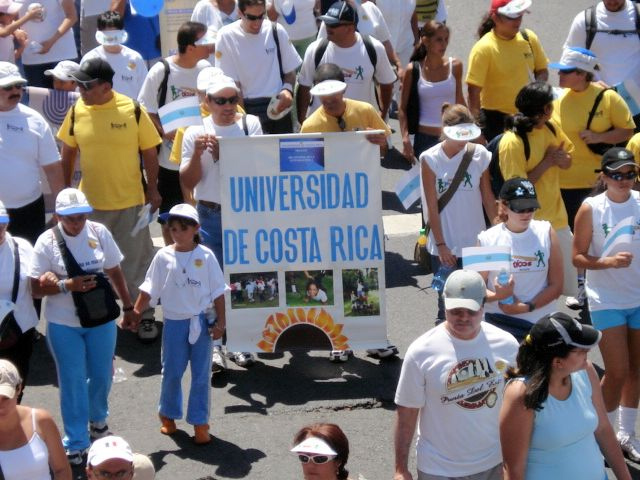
[(184, 267)]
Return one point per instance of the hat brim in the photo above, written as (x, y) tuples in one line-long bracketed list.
[(589, 337), (468, 303), (328, 87), (12, 80), (510, 11), (328, 20), (7, 391), (212, 89), (612, 167), (463, 132), (74, 210), (165, 217), (561, 66), (321, 447), (272, 113), (4, 219), (12, 9), (523, 203)]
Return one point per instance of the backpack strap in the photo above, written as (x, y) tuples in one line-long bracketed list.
[(320, 49), (457, 178), (162, 89), (70, 263), (136, 110), (73, 119), (525, 35), (590, 25), (16, 271), (371, 50), (596, 102), (245, 128), (274, 29)]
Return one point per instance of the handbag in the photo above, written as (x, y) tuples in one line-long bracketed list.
[(420, 254), (10, 331), (600, 148), (96, 306)]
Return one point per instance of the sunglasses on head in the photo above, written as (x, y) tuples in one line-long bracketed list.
[(317, 459), (87, 85), (617, 176), (254, 18), (8, 88), (224, 100)]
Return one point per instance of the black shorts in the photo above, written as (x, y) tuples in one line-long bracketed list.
[(169, 189)]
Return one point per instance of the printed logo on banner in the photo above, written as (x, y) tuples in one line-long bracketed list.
[(302, 155)]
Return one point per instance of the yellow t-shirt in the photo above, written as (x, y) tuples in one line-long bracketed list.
[(357, 116), (514, 164), (426, 10), (109, 139), (634, 147), (502, 67), (571, 112)]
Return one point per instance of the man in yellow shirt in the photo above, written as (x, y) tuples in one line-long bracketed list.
[(109, 129)]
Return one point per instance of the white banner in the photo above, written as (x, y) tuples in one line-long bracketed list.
[(303, 242)]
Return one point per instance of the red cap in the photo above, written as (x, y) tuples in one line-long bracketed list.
[(496, 4)]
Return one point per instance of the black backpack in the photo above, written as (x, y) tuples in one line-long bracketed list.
[(592, 25), (497, 180)]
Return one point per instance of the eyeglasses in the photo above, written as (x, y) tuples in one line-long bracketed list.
[(254, 18), (88, 85), (568, 71), (317, 459), (618, 177), (8, 88), (342, 125), (522, 210), (108, 475), (224, 100)]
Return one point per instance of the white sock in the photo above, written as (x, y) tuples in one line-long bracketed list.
[(613, 419), (628, 418)]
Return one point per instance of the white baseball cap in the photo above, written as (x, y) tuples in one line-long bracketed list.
[(209, 38), (10, 75), (9, 379), (328, 87), (71, 201), (577, 57), (314, 445), (182, 210), (206, 77), (63, 70), (463, 132), (464, 289), (108, 448), (510, 8), (221, 82), (7, 6), (4, 215)]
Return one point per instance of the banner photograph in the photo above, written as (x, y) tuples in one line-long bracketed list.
[(303, 242)]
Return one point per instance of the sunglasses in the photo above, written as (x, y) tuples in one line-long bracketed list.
[(8, 88), (317, 459), (522, 210), (224, 100), (568, 72), (618, 177), (342, 125), (253, 18), (88, 85)]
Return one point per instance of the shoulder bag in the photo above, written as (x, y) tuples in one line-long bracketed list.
[(10, 331)]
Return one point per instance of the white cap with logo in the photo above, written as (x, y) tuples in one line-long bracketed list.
[(9, 379), (63, 70), (108, 448), (464, 289), (71, 201), (10, 75)]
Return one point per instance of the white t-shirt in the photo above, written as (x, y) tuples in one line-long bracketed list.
[(252, 61), (618, 55), (321, 297), (214, 18), (208, 188), (180, 84), (185, 282), (613, 288), (7, 50), (397, 14), (39, 31), (303, 21), (26, 144), (380, 28), (358, 70), (462, 219), (94, 249), (530, 252), (457, 385), (25, 313), (129, 67)]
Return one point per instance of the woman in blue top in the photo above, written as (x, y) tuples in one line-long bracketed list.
[(553, 423)]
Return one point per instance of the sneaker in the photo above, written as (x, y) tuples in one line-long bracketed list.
[(383, 352), (630, 446), (147, 331), (218, 362), (340, 356), (98, 430), (577, 302), (76, 457), (243, 359)]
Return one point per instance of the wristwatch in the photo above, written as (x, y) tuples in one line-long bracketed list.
[(531, 305)]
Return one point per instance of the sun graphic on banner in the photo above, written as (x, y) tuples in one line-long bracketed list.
[(312, 329)]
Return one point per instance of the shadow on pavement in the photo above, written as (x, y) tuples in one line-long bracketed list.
[(357, 383), (147, 356)]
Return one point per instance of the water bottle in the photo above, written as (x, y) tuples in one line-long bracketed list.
[(503, 279), (210, 315), (422, 239), (440, 277)]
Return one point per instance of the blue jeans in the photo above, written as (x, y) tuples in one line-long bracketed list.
[(211, 230), (177, 352), (515, 326), (84, 362)]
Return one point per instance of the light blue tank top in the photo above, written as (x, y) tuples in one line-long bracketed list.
[(563, 445)]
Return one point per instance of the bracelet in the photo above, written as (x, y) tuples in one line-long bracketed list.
[(63, 288), (287, 86), (440, 244), (127, 309)]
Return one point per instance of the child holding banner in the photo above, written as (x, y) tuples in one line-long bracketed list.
[(605, 243), (536, 262), (187, 278)]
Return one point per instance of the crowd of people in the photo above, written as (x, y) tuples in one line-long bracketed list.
[(548, 172)]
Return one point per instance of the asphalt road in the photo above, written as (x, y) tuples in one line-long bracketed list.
[(255, 412)]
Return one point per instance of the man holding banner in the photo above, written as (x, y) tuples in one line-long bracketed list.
[(109, 129), (200, 172)]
